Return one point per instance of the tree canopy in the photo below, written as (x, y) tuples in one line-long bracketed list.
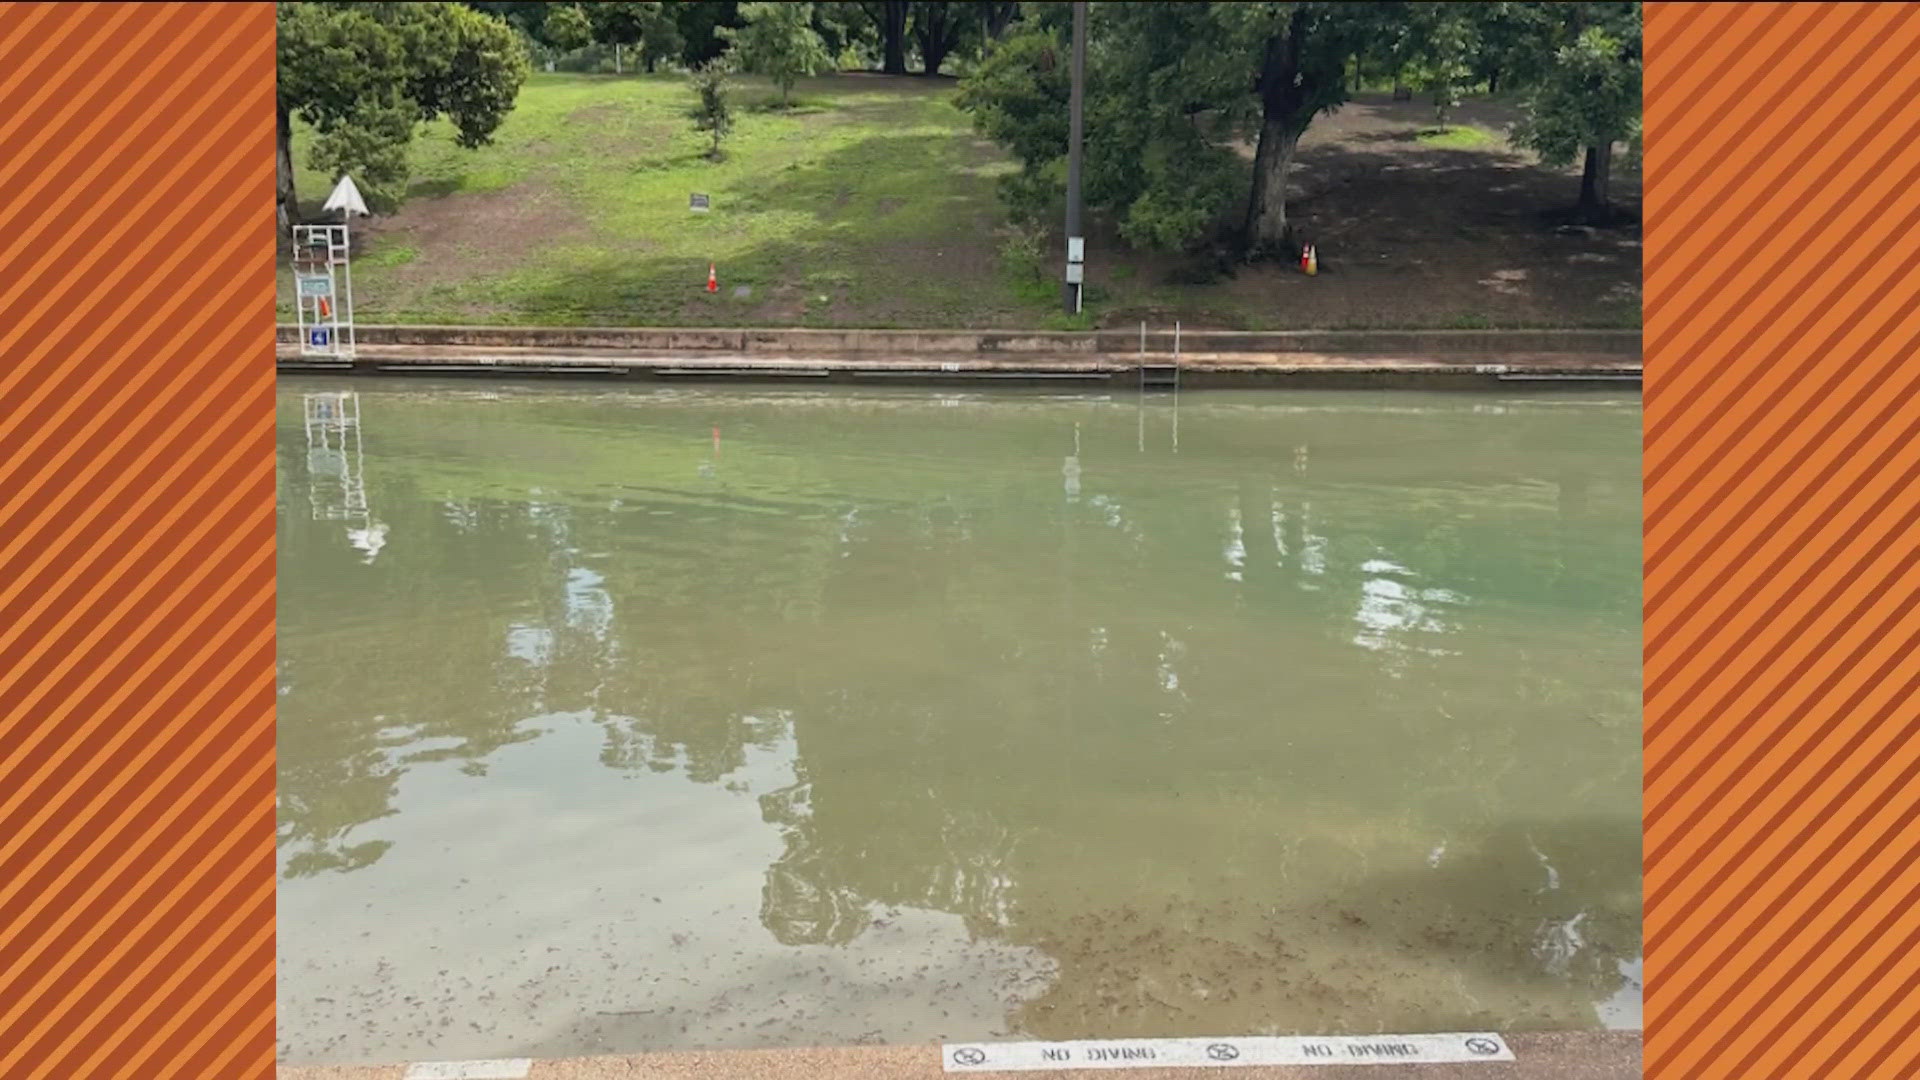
[(712, 111), (1171, 90), (365, 75), (778, 41), (1583, 95), (567, 27), (1175, 90)]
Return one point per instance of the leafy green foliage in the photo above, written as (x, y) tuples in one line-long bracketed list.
[(363, 76), (778, 41), (846, 30), (647, 26), (465, 67), (941, 28), (1173, 87), (660, 37), (1584, 92), (567, 27), (1589, 95), (526, 16), (1442, 65), (700, 23), (1018, 96), (373, 149), (712, 111)]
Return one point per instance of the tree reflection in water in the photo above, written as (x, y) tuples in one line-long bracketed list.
[(1274, 734)]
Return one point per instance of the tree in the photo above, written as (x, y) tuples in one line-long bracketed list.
[(890, 19), (778, 41), (712, 112), (567, 27), (1301, 73), (700, 23), (844, 27), (1586, 97), (660, 37), (1442, 40), (1508, 37), (995, 16), (647, 26), (1171, 89), (527, 17), (364, 75), (940, 28), (1174, 88)]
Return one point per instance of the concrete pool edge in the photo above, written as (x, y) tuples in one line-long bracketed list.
[(1119, 343), (1118, 358), (1211, 370), (1573, 1055)]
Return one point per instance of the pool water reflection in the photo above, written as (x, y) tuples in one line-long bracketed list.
[(618, 720)]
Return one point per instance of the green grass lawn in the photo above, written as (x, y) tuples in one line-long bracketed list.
[(1456, 137), (871, 202)]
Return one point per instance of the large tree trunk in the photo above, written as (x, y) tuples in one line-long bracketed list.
[(1267, 229), (934, 55), (1594, 208), (935, 42), (1284, 114), (997, 16), (288, 202), (893, 36)]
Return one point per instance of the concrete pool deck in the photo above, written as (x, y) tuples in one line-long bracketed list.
[(1206, 359), (1196, 371), (1585, 1055)]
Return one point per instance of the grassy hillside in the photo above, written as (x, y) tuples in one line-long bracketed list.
[(871, 203)]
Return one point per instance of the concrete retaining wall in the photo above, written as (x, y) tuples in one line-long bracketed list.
[(1117, 343)]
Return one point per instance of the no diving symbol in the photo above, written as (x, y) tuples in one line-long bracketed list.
[(1222, 1052), (969, 1055), (1483, 1046)]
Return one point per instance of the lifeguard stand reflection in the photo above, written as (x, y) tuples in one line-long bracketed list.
[(336, 480)]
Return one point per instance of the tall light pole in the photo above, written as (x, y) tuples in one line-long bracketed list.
[(1076, 244)]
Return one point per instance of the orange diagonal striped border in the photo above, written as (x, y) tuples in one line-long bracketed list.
[(1782, 325), (136, 537)]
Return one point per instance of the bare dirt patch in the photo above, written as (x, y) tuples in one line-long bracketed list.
[(1412, 234), (457, 237)]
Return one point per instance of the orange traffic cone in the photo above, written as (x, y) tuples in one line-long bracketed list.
[(713, 281), (1309, 260)]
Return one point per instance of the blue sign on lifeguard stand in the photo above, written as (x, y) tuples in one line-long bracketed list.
[(318, 337)]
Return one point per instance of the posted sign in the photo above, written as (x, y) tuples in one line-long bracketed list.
[(312, 285), (698, 203)]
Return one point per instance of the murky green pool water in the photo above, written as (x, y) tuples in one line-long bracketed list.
[(619, 720)]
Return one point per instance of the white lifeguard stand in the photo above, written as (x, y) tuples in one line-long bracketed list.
[(323, 291), (323, 278), (336, 479)]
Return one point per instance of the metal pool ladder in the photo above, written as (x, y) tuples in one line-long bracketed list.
[(1160, 376)]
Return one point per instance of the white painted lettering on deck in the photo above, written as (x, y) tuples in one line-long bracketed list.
[(1226, 1051), (495, 1069)]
